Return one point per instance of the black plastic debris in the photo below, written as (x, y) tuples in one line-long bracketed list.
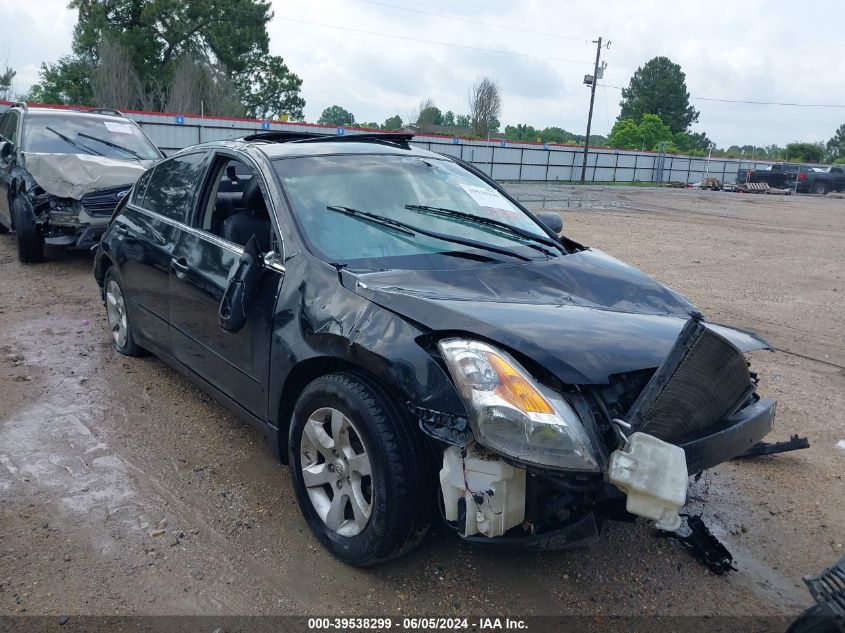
[(702, 544), (794, 443), (828, 614)]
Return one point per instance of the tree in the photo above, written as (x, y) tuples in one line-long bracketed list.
[(114, 81), (485, 105), (836, 145), (6, 79), (66, 81), (429, 114), (463, 120), (626, 135), (206, 87), (269, 89), (370, 125), (696, 144), (335, 115), (392, 123), (649, 133), (223, 37), (449, 118), (659, 87), (805, 152)]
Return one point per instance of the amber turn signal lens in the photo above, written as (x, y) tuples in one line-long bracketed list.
[(516, 390)]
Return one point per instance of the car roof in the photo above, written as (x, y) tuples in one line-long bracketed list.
[(38, 111), (321, 147)]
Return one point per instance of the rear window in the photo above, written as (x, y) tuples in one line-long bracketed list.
[(172, 185), (97, 136)]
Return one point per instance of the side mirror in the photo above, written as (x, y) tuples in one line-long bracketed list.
[(551, 219), (231, 174), (232, 311), (5, 150)]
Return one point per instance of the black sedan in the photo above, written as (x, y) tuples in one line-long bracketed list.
[(415, 344)]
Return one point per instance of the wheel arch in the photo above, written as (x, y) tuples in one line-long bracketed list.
[(101, 264), (307, 371)]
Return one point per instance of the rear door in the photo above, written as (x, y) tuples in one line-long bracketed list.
[(204, 259), (147, 231)]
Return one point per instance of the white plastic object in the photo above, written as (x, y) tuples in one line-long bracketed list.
[(482, 474), (653, 474)]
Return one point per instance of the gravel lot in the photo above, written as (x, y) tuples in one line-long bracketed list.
[(125, 490)]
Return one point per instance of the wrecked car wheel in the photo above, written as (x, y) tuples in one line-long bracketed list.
[(355, 464), (118, 317), (30, 240)]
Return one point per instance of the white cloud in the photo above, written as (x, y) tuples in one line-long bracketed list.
[(736, 50)]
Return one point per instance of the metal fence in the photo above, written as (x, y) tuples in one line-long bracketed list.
[(502, 160)]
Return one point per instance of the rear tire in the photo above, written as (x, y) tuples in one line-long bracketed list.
[(820, 188), (30, 240), (369, 493), (120, 326)]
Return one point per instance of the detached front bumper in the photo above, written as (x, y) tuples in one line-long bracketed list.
[(742, 430)]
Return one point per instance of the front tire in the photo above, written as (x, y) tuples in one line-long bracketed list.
[(30, 240), (120, 327), (358, 470)]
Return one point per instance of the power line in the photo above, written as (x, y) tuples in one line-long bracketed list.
[(452, 44), (479, 22), (750, 102)]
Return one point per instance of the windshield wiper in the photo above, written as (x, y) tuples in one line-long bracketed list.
[(410, 229), (70, 141), (110, 144), (453, 213)]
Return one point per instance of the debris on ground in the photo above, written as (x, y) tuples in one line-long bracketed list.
[(794, 443), (711, 183), (762, 187), (828, 614), (702, 544)]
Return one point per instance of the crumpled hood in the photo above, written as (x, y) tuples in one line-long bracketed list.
[(74, 175), (584, 317)]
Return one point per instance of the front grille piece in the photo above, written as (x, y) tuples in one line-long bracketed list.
[(104, 201), (703, 379)]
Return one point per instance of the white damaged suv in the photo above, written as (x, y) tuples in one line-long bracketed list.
[(62, 173)]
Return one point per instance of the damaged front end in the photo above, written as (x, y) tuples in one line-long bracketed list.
[(73, 196), (540, 464), (74, 223)]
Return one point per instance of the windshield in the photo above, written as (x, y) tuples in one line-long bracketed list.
[(74, 134), (389, 187)]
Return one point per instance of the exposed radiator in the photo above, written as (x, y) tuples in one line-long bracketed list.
[(703, 379)]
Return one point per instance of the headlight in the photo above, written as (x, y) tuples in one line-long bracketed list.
[(511, 414)]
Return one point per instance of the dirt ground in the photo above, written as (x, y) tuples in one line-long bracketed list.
[(125, 490)]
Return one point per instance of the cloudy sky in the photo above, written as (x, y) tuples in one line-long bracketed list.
[(385, 59)]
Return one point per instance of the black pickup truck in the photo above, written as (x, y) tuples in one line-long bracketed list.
[(783, 176)]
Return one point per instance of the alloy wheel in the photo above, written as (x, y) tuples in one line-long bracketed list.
[(336, 471), (116, 313)]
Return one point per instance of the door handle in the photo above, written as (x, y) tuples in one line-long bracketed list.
[(119, 228), (180, 267)]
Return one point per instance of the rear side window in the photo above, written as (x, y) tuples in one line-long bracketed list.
[(141, 187), (171, 188)]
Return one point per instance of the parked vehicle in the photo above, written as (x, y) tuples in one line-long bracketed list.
[(62, 173), (809, 179), (410, 338), (822, 181)]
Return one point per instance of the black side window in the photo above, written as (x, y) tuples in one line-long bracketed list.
[(141, 187), (172, 186), (9, 126)]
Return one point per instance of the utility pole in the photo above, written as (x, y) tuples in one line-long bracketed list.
[(592, 100)]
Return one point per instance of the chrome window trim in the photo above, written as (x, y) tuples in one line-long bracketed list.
[(271, 260)]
